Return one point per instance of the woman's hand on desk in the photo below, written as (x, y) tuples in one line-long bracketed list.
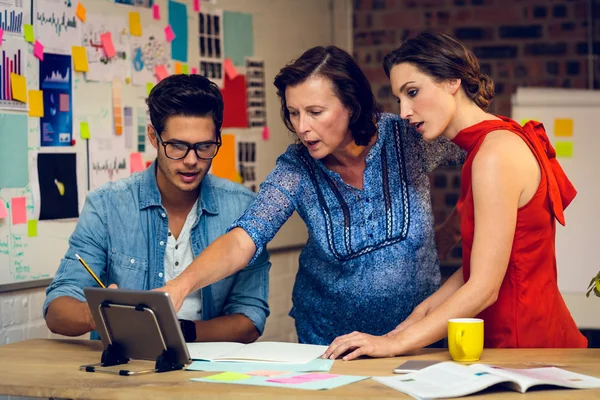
[(361, 344)]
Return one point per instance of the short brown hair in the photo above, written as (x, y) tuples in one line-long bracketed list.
[(441, 57), (349, 83)]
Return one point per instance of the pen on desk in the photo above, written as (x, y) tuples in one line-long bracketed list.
[(98, 281)]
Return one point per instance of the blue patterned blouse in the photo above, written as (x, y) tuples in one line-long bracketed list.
[(370, 258)]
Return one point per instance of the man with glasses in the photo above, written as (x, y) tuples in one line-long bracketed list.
[(142, 231)]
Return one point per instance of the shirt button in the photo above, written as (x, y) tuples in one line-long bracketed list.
[(162, 243), (176, 246), (160, 274), (163, 215), (176, 263), (169, 233), (132, 261)]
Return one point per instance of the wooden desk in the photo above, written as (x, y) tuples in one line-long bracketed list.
[(50, 368)]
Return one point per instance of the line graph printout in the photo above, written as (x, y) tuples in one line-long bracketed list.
[(13, 15), (102, 68), (55, 81), (13, 58), (56, 23)]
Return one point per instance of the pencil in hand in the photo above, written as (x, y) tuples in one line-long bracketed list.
[(98, 281)]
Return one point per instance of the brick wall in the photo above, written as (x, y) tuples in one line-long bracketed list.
[(518, 43)]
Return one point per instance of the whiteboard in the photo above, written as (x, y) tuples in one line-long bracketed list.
[(577, 242), (282, 31)]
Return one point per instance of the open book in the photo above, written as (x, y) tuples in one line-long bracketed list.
[(271, 352), (449, 379)]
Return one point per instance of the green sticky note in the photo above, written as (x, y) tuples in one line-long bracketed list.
[(228, 376), (32, 228), (149, 87), (238, 36), (28, 33), (185, 69), (84, 130), (524, 121), (564, 149)]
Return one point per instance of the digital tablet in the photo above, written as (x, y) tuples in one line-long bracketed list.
[(133, 318)]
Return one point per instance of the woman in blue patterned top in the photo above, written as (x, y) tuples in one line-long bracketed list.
[(359, 180)]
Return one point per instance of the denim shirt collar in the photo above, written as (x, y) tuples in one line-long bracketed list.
[(150, 195)]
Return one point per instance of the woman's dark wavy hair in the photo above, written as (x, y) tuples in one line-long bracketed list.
[(349, 85), (442, 57)]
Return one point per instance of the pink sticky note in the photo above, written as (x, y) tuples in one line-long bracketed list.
[(265, 373), (195, 71), (1, 34), (38, 50), (136, 163), (161, 72), (156, 11), (230, 68), (197, 5), (107, 44), (292, 381), (3, 210), (266, 135), (169, 34), (18, 206), (316, 377)]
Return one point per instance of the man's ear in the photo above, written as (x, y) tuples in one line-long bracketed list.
[(151, 133), (453, 85)]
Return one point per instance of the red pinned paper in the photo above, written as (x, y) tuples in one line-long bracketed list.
[(235, 114), (107, 44)]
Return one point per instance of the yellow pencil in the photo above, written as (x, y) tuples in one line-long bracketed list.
[(90, 271)]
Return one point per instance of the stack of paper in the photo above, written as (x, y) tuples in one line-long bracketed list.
[(271, 352)]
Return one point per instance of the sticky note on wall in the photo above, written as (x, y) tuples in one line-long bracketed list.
[(32, 228), (135, 24), (19, 87), (564, 149), (18, 206), (563, 127), (80, 61), (36, 103)]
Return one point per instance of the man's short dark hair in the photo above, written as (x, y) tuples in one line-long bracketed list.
[(188, 96)]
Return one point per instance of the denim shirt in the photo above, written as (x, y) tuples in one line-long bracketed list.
[(122, 236), (370, 258)]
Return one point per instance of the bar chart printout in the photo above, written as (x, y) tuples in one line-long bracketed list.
[(12, 59), (13, 15)]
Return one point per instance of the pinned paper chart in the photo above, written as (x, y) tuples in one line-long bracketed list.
[(117, 107)]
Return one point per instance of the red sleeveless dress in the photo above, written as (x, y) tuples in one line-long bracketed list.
[(529, 311)]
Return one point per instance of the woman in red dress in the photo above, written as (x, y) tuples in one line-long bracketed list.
[(513, 192)]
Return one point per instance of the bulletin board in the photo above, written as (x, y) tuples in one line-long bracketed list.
[(570, 119), (94, 123)]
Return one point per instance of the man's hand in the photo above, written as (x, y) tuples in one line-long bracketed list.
[(176, 294)]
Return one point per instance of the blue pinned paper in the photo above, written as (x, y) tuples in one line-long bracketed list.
[(178, 21)]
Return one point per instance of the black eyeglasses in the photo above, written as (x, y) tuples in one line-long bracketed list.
[(179, 150)]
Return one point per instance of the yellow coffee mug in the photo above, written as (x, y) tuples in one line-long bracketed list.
[(465, 339)]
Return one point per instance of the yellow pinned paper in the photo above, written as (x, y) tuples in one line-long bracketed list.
[(524, 121), (32, 228), (178, 67), (135, 24), (80, 61), (185, 69), (564, 149), (563, 127), (84, 130), (80, 11), (149, 87), (19, 87), (36, 103), (228, 377), (28, 33), (224, 165)]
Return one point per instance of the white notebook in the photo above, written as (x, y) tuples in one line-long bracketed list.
[(269, 352)]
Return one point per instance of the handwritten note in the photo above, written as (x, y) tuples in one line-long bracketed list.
[(1, 35), (161, 72), (18, 206), (36, 103), (563, 127), (266, 135), (136, 163), (178, 67), (38, 50), (185, 69), (228, 376), (197, 5), (32, 227), (169, 34), (84, 130), (149, 87), (564, 149), (3, 210), (28, 33), (156, 11), (194, 70), (80, 11), (107, 44), (19, 87), (80, 61), (135, 24), (230, 69)]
